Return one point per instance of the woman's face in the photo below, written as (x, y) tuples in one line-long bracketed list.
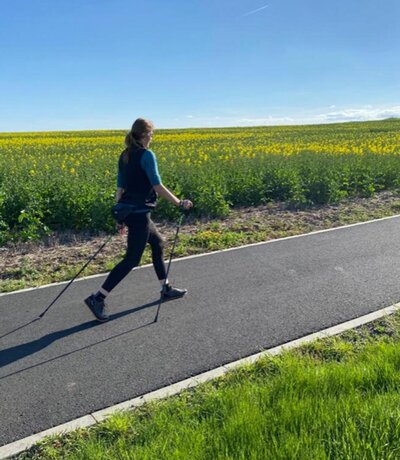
[(146, 139)]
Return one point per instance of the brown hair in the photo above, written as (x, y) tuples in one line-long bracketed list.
[(139, 129)]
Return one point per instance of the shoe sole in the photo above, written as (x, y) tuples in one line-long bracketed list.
[(93, 313), (166, 299)]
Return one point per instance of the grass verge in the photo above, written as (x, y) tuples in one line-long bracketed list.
[(335, 398)]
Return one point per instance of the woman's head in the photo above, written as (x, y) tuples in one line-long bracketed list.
[(140, 134)]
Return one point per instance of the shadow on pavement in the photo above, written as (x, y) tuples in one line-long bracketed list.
[(13, 354), (18, 328)]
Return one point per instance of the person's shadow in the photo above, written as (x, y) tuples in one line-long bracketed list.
[(12, 354)]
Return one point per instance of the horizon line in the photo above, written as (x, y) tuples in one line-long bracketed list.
[(317, 123)]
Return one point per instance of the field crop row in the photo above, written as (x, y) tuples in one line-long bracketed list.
[(67, 180)]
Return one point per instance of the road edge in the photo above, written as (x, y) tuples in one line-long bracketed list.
[(315, 232)]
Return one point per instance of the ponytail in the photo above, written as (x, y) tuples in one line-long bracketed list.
[(139, 128)]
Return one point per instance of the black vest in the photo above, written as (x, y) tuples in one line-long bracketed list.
[(138, 189)]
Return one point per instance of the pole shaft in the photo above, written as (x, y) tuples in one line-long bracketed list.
[(169, 264), (73, 279)]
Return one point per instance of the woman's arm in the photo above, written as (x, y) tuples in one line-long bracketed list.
[(119, 193), (149, 164), (165, 193)]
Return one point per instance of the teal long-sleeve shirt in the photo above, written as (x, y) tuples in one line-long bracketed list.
[(149, 164)]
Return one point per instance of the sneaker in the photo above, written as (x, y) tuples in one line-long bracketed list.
[(97, 308), (169, 292)]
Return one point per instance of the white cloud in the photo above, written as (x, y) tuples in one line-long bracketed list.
[(363, 114), (228, 121), (266, 121)]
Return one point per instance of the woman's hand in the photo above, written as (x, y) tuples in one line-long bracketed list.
[(186, 205), (121, 228)]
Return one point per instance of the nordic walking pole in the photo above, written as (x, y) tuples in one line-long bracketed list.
[(59, 295), (169, 263), (73, 279)]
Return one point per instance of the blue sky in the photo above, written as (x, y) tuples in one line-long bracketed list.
[(99, 64)]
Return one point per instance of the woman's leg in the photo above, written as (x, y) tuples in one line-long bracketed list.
[(157, 251), (138, 234)]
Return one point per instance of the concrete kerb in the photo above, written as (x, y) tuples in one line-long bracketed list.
[(21, 445), (15, 448)]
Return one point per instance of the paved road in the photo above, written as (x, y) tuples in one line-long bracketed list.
[(67, 365)]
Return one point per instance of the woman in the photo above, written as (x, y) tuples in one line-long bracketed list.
[(138, 184)]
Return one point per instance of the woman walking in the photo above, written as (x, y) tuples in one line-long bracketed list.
[(138, 184)]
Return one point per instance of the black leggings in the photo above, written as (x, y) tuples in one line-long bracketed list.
[(141, 230)]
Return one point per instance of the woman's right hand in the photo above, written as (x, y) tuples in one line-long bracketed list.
[(121, 229)]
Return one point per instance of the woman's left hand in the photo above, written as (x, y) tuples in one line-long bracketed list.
[(186, 204)]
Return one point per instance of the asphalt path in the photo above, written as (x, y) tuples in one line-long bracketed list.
[(67, 365)]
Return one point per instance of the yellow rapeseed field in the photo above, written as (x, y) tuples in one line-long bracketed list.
[(59, 180)]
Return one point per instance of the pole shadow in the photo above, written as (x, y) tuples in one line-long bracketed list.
[(17, 352), (19, 328)]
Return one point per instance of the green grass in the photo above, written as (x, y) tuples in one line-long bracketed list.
[(336, 398)]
